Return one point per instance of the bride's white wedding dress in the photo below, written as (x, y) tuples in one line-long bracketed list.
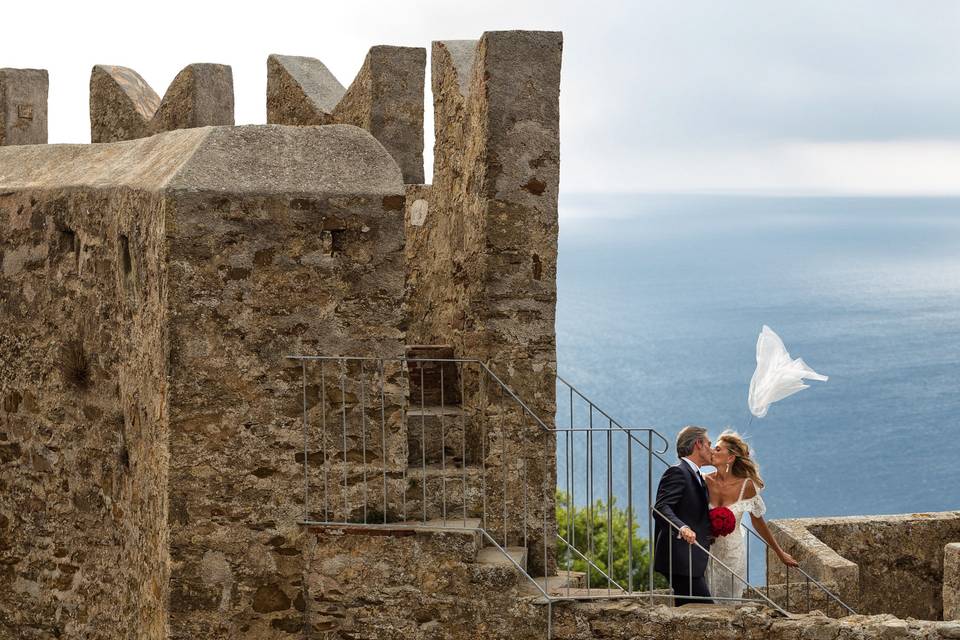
[(731, 549)]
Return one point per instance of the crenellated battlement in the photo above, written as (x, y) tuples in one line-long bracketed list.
[(385, 98), (124, 107)]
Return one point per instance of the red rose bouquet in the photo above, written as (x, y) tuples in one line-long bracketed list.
[(722, 521)]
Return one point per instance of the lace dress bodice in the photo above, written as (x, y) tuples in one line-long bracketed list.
[(730, 549), (754, 505)]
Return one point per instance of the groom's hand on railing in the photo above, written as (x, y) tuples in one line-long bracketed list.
[(688, 534)]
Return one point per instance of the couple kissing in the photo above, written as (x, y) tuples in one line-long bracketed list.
[(686, 497)]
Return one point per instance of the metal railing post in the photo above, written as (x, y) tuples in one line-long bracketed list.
[(306, 456), (443, 451), (343, 412), (324, 450), (363, 436), (423, 449), (463, 443), (503, 462), (609, 507), (383, 437), (629, 515), (650, 541)]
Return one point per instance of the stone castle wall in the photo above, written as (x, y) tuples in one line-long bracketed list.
[(883, 564), (134, 507), (83, 427), (255, 275), (482, 258)]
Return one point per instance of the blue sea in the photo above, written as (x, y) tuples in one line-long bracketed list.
[(661, 299)]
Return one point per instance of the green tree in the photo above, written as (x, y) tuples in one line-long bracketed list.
[(590, 537)]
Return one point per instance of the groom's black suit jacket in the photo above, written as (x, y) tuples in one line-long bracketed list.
[(682, 500)]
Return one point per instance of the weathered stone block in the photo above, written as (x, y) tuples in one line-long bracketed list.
[(23, 106), (124, 107), (121, 104), (201, 95), (301, 91), (482, 260), (385, 98), (951, 581), (196, 257)]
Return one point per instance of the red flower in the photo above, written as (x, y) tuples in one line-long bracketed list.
[(722, 521)]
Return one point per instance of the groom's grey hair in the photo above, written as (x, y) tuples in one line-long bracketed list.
[(687, 438)]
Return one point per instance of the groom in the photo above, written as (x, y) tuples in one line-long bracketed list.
[(682, 499)]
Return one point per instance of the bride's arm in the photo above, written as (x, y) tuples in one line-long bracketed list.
[(761, 526)]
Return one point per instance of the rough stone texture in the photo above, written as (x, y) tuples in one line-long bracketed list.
[(200, 96), (951, 581), (882, 564), (386, 99), (121, 104), (268, 257), (124, 107), (83, 426), (202, 257), (482, 247), (152, 438), (301, 91), (23, 106), (406, 584)]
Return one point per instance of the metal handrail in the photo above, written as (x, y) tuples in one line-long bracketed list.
[(591, 563), (809, 577), (506, 388), (614, 422), (733, 573), (511, 527)]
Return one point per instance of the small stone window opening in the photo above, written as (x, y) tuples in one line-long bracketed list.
[(334, 241), (125, 255)]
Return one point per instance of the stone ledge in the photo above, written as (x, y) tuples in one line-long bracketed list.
[(247, 160)]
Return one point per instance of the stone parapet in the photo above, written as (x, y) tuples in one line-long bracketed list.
[(881, 564), (124, 107), (385, 98), (951, 581)]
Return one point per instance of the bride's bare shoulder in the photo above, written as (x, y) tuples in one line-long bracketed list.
[(750, 490)]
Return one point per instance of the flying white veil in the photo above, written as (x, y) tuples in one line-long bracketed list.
[(777, 375)]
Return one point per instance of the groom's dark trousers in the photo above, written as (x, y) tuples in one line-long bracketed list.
[(682, 499)]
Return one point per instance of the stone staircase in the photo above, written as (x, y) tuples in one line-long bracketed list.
[(444, 471), (491, 561), (444, 479)]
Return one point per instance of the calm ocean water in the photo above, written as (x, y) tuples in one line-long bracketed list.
[(661, 299)]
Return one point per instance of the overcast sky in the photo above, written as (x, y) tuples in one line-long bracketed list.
[(838, 96)]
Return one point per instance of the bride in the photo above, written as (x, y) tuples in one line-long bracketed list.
[(736, 484)]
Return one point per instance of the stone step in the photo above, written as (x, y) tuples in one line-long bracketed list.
[(451, 540), (434, 411), (558, 584), (451, 485), (493, 556), (447, 432), (449, 523)]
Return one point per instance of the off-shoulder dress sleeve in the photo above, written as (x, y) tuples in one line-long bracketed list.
[(756, 505)]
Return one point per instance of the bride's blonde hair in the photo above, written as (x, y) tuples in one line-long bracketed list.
[(743, 465)]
